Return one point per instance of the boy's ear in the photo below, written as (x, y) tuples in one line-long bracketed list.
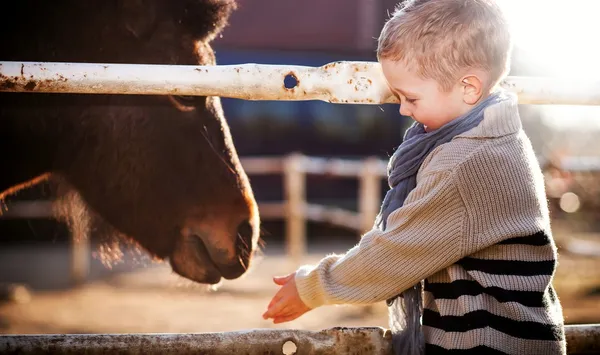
[(472, 89)]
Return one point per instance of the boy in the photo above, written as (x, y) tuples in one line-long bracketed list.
[(467, 210)]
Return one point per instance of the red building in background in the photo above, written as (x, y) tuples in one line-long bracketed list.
[(306, 25)]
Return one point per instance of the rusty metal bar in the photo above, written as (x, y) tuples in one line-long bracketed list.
[(340, 82), (259, 341), (581, 339), (351, 82), (554, 91)]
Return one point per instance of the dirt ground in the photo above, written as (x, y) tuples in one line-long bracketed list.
[(150, 298)]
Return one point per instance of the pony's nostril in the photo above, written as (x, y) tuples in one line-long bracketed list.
[(245, 232)]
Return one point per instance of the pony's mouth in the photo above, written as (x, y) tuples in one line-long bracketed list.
[(208, 256), (191, 259)]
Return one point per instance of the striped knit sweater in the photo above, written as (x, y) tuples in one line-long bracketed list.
[(477, 230)]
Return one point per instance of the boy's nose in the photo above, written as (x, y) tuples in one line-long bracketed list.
[(404, 111)]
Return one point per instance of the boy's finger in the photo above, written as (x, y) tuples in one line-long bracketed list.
[(275, 309), (271, 311), (282, 280), (283, 312), (278, 296), (287, 318), (275, 299), (289, 310)]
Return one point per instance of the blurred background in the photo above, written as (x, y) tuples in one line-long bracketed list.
[(39, 295)]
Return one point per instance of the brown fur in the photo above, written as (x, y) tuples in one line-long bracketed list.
[(140, 165)]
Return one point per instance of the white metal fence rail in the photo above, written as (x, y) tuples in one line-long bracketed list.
[(581, 339), (337, 82)]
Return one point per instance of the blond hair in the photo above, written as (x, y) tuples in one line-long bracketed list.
[(440, 39)]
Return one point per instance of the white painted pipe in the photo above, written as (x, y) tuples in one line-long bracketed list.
[(338, 82), (341, 82), (366, 340), (581, 339)]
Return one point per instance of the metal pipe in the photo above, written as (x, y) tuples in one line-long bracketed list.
[(351, 82), (581, 339), (256, 341), (341, 82)]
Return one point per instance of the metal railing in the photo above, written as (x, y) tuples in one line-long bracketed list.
[(338, 82), (581, 339)]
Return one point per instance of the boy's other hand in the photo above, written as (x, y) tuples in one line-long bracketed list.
[(286, 305)]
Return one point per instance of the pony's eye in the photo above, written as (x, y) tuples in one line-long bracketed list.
[(183, 103)]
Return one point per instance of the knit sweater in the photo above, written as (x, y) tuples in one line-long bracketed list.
[(476, 228)]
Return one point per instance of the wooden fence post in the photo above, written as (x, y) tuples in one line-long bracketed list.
[(369, 201), (295, 194), (369, 198), (80, 250)]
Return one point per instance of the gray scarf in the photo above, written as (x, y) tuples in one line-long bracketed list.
[(405, 316)]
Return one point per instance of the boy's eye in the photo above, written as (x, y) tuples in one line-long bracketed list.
[(411, 101)]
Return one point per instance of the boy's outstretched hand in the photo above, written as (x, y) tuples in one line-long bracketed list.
[(286, 305)]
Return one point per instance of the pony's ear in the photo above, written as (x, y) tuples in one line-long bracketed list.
[(204, 19)]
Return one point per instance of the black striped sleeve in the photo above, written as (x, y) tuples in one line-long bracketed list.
[(431, 349), (457, 288), (540, 238), (482, 318), (508, 267)]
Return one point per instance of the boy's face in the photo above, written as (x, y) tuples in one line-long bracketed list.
[(421, 98)]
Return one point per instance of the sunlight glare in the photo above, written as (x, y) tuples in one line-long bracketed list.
[(558, 36), (560, 39)]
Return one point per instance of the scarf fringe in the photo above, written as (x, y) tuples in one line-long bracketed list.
[(405, 322)]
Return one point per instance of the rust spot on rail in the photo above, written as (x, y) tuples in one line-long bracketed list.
[(330, 65), (16, 82), (295, 82), (7, 83), (30, 85)]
